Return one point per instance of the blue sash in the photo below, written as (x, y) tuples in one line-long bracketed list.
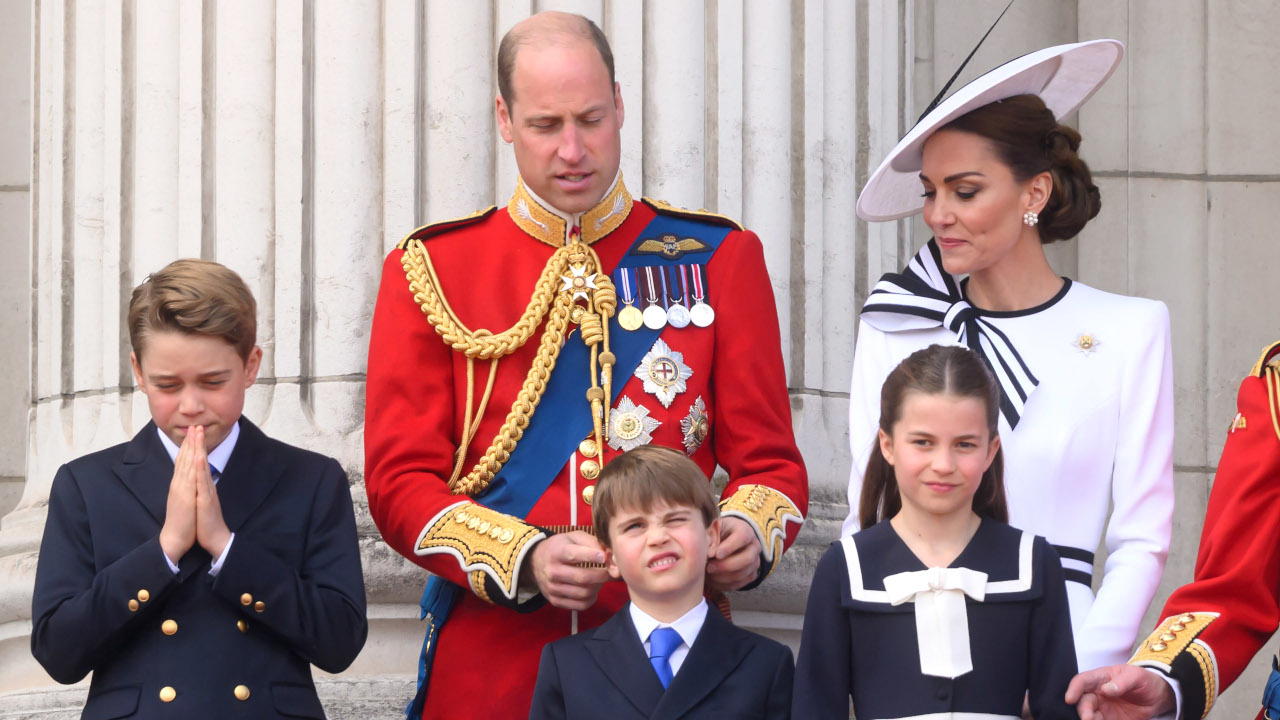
[(541, 452)]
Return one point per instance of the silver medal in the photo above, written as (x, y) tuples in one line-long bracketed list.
[(702, 315), (655, 318), (678, 316)]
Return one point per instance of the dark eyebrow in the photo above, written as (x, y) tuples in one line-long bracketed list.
[(952, 178)]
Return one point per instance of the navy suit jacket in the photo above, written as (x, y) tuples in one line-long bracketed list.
[(728, 673), (290, 592)]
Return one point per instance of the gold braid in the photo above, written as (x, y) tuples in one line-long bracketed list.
[(547, 301)]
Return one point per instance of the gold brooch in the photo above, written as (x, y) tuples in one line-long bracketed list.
[(1086, 343)]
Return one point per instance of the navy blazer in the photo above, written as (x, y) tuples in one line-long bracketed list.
[(162, 645), (728, 673)]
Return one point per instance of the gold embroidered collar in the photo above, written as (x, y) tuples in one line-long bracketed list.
[(552, 227)]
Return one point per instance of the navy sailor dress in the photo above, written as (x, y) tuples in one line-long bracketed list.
[(907, 642)]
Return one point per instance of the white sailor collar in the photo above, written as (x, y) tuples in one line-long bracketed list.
[(552, 226), (1005, 554)]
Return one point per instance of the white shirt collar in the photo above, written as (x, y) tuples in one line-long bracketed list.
[(688, 625), (217, 458)]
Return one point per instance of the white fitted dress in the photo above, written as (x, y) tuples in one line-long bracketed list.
[(1095, 433)]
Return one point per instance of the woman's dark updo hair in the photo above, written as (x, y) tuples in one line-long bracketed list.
[(1030, 141)]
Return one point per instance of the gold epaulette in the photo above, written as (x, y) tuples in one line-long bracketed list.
[(1175, 639), (1270, 358), (665, 208), (1268, 368), (767, 511), (437, 228), (485, 542)]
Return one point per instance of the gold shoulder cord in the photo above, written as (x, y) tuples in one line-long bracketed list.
[(577, 267), (1272, 371)]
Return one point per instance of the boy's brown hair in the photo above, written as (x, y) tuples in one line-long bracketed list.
[(194, 297), (645, 477)]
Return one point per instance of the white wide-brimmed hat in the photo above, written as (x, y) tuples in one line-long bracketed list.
[(1064, 77)]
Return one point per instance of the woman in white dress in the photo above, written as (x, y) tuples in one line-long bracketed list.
[(1085, 375)]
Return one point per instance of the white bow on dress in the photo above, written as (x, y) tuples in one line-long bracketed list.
[(942, 623)]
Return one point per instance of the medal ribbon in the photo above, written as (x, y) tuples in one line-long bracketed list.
[(698, 293), (653, 292), (625, 277), (684, 286), (666, 297)]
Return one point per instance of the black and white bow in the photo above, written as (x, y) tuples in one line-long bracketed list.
[(923, 296)]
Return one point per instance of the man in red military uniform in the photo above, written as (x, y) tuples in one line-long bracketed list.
[(510, 359), (1214, 625)]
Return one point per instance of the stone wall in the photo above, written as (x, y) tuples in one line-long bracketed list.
[(297, 141)]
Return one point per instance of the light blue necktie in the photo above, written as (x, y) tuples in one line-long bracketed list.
[(662, 642)]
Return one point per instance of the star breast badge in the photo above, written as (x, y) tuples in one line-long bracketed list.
[(695, 426), (630, 426), (579, 282), (663, 372)]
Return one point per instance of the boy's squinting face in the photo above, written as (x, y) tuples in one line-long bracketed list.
[(194, 380), (662, 553), (939, 449)]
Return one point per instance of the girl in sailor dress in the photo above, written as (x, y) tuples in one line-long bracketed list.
[(1085, 375), (937, 610)]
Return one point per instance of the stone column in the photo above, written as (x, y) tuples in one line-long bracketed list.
[(296, 142)]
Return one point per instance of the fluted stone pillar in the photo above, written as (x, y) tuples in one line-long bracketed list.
[(297, 141)]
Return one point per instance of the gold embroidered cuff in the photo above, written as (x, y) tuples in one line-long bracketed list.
[(767, 511), (1178, 636), (485, 542)]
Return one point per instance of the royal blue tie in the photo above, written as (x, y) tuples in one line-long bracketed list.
[(662, 642)]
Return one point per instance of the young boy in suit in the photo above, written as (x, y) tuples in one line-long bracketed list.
[(200, 569), (666, 654)]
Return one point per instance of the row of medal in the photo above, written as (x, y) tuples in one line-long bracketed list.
[(655, 297)]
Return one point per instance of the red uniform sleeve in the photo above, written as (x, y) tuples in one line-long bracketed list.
[(409, 454), (1214, 625), (753, 440)]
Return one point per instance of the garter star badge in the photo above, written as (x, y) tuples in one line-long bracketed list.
[(630, 426), (695, 426), (663, 372)]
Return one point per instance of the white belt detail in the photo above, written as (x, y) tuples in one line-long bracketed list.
[(942, 623)]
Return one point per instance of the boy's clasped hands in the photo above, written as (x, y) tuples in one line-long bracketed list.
[(193, 514)]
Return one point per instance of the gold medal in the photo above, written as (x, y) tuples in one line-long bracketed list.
[(630, 318)]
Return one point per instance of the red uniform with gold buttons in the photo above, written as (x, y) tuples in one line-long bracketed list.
[(470, 316), (1214, 625)]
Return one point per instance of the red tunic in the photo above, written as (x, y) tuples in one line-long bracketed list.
[(1215, 624), (487, 656)]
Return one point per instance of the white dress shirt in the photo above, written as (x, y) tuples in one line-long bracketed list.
[(687, 626), (218, 459)]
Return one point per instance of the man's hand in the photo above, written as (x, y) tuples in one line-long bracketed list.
[(1120, 692), (211, 530), (178, 533), (556, 570), (737, 561)]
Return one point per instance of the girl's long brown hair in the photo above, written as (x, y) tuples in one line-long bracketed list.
[(936, 370)]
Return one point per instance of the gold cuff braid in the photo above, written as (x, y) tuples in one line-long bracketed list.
[(767, 511), (1175, 636), (485, 542)]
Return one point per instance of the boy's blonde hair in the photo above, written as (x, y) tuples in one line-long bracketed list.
[(648, 476), (194, 297)]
